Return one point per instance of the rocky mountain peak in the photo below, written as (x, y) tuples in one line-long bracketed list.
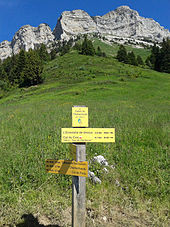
[(125, 10), (72, 23)]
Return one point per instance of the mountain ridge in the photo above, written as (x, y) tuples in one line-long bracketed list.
[(123, 23)]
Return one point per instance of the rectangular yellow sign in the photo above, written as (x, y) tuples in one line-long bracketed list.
[(79, 116), (73, 152), (67, 167), (92, 135)]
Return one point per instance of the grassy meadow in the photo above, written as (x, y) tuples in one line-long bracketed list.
[(134, 100)]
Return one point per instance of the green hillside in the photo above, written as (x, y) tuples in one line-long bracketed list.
[(134, 100)]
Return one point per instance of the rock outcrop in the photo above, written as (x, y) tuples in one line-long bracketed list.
[(5, 49), (25, 38), (30, 37), (122, 23)]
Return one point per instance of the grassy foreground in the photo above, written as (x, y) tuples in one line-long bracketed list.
[(133, 100)]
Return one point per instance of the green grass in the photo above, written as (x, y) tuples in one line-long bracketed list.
[(133, 100)]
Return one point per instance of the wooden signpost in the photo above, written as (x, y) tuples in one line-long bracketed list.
[(79, 135)]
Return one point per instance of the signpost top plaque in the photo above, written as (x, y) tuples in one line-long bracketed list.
[(79, 116)]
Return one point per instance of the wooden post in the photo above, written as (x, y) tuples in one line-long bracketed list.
[(79, 191)]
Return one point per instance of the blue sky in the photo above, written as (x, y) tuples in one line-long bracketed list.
[(16, 13)]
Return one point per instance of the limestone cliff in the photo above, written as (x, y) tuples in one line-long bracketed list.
[(122, 22)]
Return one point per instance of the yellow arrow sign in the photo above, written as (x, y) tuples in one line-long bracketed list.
[(94, 135), (67, 167)]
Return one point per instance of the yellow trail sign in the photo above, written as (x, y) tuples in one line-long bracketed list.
[(80, 116), (67, 167), (83, 135)]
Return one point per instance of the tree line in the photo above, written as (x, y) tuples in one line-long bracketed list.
[(24, 69), (87, 48), (158, 60), (128, 57)]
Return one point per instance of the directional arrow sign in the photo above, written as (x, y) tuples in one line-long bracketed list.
[(83, 135), (67, 167)]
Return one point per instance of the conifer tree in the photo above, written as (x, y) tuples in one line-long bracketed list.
[(139, 60), (165, 56), (99, 52), (155, 52), (21, 60), (53, 54), (18, 64), (64, 48), (122, 54), (13, 76), (4, 85), (132, 59), (7, 65), (32, 72), (77, 46), (160, 57), (42, 51), (87, 47), (147, 62), (3, 74)]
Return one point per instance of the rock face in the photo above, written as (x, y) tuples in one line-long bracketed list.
[(122, 22)]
